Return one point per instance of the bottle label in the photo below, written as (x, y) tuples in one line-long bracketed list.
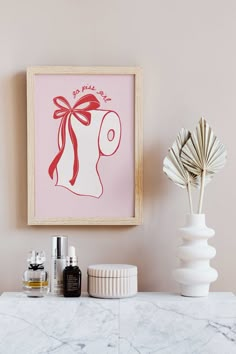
[(72, 282), (57, 268)]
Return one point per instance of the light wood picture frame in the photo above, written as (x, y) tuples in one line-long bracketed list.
[(84, 145)]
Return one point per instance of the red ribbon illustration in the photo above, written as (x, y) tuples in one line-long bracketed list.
[(81, 112)]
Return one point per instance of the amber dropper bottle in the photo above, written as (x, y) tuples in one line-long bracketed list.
[(72, 275)]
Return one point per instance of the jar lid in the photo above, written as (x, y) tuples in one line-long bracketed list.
[(112, 270)]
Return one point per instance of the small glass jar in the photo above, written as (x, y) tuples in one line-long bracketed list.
[(35, 278)]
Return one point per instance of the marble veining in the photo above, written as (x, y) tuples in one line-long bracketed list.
[(60, 326), (148, 323), (188, 326)]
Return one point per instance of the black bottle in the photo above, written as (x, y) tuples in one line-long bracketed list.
[(72, 275)]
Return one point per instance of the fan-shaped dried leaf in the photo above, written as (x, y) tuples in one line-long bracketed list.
[(198, 180), (203, 151), (172, 164)]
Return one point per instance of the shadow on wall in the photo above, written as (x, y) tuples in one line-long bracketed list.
[(16, 131), (155, 186), (157, 250)]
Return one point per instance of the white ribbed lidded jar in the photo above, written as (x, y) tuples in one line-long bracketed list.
[(111, 281)]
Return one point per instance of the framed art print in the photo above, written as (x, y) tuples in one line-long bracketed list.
[(84, 146)]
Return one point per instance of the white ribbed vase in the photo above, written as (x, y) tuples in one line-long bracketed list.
[(195, 273)]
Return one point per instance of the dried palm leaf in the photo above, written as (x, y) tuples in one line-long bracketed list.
[(173, 167), (203, 155)]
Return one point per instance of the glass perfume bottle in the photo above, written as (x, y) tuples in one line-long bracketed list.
[(35, 278), (72, 275)]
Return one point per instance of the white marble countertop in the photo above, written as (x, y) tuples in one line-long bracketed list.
[(147, 323)]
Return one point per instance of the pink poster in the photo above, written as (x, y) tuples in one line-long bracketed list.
[(84, 146)]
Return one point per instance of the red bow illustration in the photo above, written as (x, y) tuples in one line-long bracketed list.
[(80, 111)]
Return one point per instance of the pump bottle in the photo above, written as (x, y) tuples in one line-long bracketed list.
[(58, 263), (72, 275)]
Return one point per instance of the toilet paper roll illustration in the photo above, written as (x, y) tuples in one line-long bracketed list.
[(86, 133)]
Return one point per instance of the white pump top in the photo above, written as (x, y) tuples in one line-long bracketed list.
[(71, 259), (71, 252)]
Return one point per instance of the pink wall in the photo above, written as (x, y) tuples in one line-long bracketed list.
[(187, 51)]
